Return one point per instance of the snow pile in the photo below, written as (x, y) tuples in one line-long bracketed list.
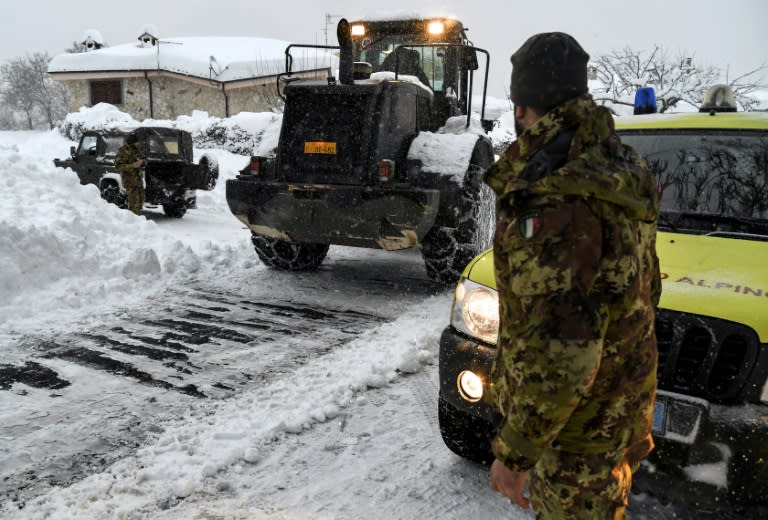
[(450, 149), (65, 252), (99, 116), (247, 133)]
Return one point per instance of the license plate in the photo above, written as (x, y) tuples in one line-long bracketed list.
[(320, 147), (659, 416)]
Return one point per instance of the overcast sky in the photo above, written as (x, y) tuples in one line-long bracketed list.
[(729, 34)]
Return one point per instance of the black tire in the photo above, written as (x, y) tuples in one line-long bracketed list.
[(211, 167), (465, 434), (289, 256), (174, 210), (448, 249), (112, 193)]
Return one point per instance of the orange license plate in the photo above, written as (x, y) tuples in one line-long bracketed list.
[(321, 147)]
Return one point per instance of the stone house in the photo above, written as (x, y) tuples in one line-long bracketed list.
[(166, 78)]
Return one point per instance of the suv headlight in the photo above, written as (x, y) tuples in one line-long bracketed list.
[(476, 311)]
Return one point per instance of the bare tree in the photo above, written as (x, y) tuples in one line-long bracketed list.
[(26, 86), (14, 93), (676, 79)]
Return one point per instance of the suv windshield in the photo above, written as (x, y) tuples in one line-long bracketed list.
[(707, 172)]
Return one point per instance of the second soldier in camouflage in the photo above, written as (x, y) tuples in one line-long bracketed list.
[(130, 163)]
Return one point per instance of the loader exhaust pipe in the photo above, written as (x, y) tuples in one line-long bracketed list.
[(346, 67)]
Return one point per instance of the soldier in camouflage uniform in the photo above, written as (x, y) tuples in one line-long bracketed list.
[(578, 280), (130, 162)]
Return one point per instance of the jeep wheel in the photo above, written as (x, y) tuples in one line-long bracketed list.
[(211, 168), (112, 193), (289, 256), (465, 434), (175, 210), (447, 250)]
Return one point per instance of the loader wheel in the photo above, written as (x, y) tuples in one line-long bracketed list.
[(465, 434), (289, 256), (447, 250)]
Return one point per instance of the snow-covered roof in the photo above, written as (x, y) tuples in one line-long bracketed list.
[(223, 59)]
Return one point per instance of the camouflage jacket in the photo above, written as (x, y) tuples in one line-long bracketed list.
[(578, 281), (127, 155)]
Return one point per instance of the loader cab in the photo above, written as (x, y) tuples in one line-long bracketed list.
[(414, 45)]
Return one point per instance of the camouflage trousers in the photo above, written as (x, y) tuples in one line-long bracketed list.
[(134, 191), (575, 486)]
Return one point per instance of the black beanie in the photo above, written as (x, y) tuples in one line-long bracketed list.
[(547, 69)]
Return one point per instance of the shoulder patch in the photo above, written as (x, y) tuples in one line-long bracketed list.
[(528, 224)]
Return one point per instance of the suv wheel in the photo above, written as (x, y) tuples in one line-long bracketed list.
[(447, 250), (112, 193), (289, 256), (464, 434)]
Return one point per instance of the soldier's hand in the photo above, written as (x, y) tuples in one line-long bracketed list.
[(509, 483)]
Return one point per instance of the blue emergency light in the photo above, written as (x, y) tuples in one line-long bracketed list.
[(645, 101)]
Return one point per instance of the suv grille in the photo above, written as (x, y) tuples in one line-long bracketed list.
[(704, 357)]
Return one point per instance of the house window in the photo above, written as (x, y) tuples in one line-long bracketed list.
[(110, 91)]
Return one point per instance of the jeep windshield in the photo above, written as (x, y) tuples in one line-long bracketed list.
[(711, 181), (113, 144)]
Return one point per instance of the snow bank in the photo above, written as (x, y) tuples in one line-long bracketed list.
[(450, 149), (65, 252), (246, 133)]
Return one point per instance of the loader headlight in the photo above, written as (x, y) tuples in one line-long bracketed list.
[(476, 311), (436, 27), (358, 30)]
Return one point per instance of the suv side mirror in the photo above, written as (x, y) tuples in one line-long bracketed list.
[(470, 59)]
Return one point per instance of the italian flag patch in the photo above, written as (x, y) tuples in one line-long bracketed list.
[(529, 224)]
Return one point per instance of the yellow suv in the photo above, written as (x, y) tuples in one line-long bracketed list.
[(711, 414)]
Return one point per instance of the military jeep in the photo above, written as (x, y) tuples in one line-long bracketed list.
[(171, 176)]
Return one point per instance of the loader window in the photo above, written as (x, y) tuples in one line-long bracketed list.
[(426, 63)]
